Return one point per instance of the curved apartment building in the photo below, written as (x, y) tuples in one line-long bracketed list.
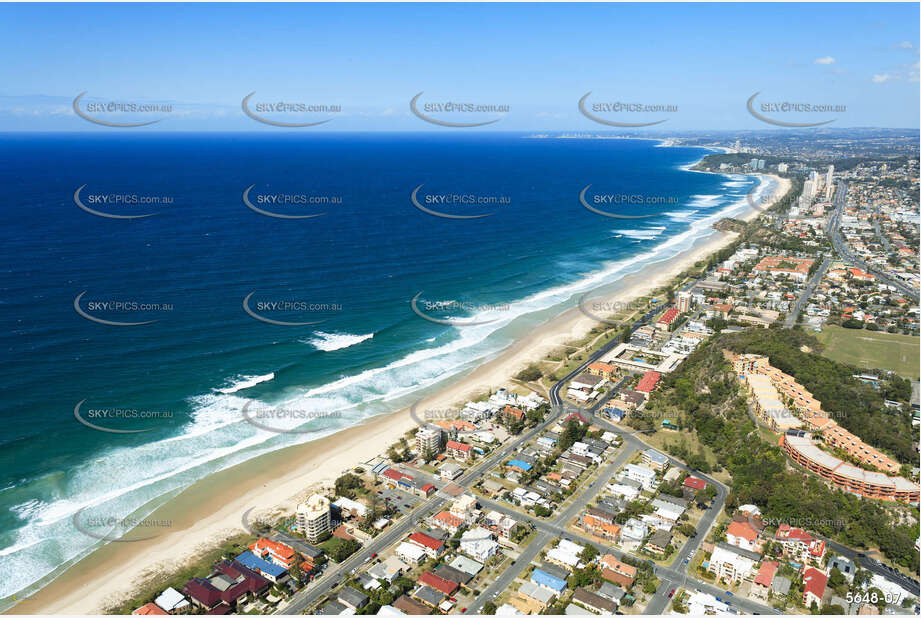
[(798, 445)]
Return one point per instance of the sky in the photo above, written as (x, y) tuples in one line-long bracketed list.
[(704, 61)]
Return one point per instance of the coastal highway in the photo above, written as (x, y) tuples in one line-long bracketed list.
[(834, 222), (806, 294)]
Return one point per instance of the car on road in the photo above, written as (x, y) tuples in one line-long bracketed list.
[(374, 555), (729, 593), (671, 593)]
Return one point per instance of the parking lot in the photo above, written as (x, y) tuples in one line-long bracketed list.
[(401, 500)]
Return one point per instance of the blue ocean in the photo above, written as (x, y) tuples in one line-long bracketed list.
[(340, 277)]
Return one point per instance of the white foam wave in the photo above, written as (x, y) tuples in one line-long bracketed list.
[(328, 342), (242, 382), (643, 234), (681, 215), (217, 436)]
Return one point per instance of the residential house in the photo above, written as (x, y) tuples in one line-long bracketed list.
[(814, 584), (532, 599), (478, 544), (273, 551), (616, 571), (268, 570), (744, 535), (430, 545), (408, 605), (761, 585), (350, 597), (593, 602), (545, 580), (172, 602), (659, 541)]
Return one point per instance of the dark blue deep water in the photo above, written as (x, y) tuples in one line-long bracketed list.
[(360, 264)]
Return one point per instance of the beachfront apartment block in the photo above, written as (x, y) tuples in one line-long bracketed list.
[(428, 441), (313, 518)]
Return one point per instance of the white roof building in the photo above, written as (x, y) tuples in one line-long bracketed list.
[(171, 599), (410, 552), (478, 544)]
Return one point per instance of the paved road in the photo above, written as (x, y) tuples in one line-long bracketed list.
[(335, 574), (834, 222), (807, 292)]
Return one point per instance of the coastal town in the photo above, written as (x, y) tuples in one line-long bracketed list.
[(616, 475)]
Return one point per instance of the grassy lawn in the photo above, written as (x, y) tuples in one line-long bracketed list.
[(201, 566), (872, 350)]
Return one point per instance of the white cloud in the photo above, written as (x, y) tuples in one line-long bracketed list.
[(881, 78), (906, 45), (825, 60)]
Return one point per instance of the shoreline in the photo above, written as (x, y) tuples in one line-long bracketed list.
[(211, 509)]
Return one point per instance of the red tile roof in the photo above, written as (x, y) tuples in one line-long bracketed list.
[(151, 609), (392, 474), (742, 529), (814, 581), (785, 532), (648, 382), (695, 483), (438, 583), (669, 316), (449, 519), (425, 541), (766, 573), (458, 446), (281, 550)]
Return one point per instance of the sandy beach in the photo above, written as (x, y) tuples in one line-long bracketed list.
[(212, 509)]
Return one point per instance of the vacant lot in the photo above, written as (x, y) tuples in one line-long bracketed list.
[(872, 350)]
